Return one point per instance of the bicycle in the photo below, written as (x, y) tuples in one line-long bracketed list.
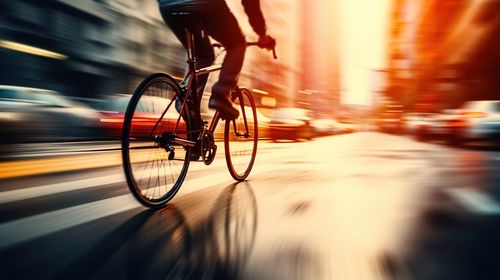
[(158, 136)]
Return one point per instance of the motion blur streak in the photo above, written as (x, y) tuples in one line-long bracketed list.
[(31, 50), (378, 153)]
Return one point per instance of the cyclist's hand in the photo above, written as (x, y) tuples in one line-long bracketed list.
[(267, 42)]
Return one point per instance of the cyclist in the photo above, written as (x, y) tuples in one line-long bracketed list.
[(220, 24)]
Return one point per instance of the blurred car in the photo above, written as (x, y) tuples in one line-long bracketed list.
[(264, 128), (391, 119), (438, 126), (346, 124), (39, 115), (291, 123), (414, 121), (479, 120), (325, 126), (112, 112)]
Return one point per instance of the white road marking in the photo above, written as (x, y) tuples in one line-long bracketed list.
[(26, 193), (50, 189), (25, 229)]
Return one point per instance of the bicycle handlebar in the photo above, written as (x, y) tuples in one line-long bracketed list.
[(219, 45)]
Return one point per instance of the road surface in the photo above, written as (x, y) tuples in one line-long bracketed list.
[(357, 206)]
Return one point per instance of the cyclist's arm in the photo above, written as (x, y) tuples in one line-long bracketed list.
[(252, 9)]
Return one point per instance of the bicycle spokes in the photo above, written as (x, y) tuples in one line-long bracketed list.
[(156, 143)]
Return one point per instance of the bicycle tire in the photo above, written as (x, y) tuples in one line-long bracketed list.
[(240, 145), (150, 114)]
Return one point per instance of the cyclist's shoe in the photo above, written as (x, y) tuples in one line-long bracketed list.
[(224, 105)]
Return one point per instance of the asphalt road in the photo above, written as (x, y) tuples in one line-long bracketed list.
[(358, 206)]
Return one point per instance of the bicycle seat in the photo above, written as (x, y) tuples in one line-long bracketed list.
[(187, 15), (190, 20)]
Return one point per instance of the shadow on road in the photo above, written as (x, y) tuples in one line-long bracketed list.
[(160, 244), (447, 246), (452, 240)]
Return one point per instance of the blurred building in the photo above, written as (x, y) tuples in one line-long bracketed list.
[(275, 81), (98, 47), (84, 48), (319, 64), (444, 52), (306, 73)]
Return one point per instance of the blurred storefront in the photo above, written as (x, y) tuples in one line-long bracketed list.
[(443, 52), (84, 48)]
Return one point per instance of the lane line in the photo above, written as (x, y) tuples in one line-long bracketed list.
[(60, 164), (66, 162)]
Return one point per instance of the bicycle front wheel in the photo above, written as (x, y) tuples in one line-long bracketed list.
[(154, 166), (241, 135)]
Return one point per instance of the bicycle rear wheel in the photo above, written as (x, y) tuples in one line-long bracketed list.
[(241, 135), (155, 167)]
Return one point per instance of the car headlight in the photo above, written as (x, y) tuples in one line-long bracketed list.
[(10, 116)]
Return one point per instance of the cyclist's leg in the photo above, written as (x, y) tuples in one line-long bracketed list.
[(205, 57), (221, 24), (203, 48)]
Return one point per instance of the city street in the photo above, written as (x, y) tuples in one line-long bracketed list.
[(356, 206)]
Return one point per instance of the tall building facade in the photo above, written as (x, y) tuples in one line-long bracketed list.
[(306, 73), (319, 56), (443, 53), (273, 79)]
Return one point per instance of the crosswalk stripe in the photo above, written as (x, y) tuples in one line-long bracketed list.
[(21, 230), (25, 229), (37, 191)]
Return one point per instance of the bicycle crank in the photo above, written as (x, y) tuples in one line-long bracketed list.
[(208, 147)]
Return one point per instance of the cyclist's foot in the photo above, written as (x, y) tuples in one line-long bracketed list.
[(224, 105)]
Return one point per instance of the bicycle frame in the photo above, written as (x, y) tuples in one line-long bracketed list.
[(192, 75), (182, 135)]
